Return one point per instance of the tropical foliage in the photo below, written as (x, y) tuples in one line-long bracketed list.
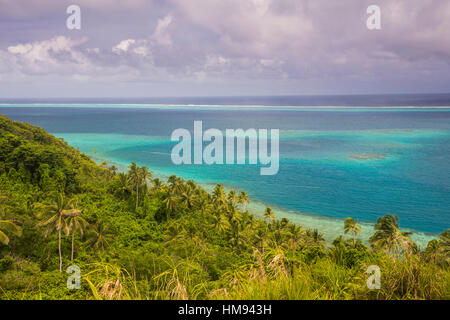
[(137, 237)]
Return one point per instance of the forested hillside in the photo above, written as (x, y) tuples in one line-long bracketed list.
[(134, 236)]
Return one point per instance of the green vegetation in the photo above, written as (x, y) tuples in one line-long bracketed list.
[(135, 237)]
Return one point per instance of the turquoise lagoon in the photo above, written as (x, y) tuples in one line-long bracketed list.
[(335, 162)]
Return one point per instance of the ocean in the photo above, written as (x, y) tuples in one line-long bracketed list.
[(361, 157)]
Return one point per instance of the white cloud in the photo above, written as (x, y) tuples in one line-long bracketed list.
[(161, 34), (123, 46)]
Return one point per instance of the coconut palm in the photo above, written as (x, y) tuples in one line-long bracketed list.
[(219, 195), (57, 220), (295, 234), (123, 183), (187, 196), (99, 236), (445, 240), (7, 225), (157, 184), (268, 214), (389, 237), (170, 202), (243, 199), (113, 169), (75, 223), (203, 204), (221, 223), (175, 183), (439, 250), (145, 174), (192, 184), (433, 250), (315, 237), (232, 198), (111, 172), (350, 226), (135, 177)]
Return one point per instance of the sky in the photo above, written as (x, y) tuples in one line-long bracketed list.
[(156, 48)]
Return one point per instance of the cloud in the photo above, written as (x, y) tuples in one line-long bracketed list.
[(318, 44), (161, 34), (57, 55)]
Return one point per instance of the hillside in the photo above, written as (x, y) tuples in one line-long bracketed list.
[(136, 237)]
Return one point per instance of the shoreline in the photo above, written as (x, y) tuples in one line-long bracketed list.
[(329, 227)]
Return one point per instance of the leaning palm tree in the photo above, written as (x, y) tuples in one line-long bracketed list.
[(268, 214), (350, 226), (8, 226), (75, 223), (57, 220), (389, 237)]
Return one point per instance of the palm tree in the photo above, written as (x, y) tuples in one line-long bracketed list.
[(175, 183), (295, 233), (243, 199), (439, 250), (170, 202), (111, 172), (192, 184), (268, 214), (350, 226), (57, 221), (75, 223), (445, 240), (187, 196), (8, 226), (232, 198), (99, 236), (157, 184), (433, 250), (144, 176), (221, 223), (203, 204), (389, 236), (135, 176), (123, 183), (219, 195), (316, 237)]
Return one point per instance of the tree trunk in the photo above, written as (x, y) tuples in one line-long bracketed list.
[(60, 256), (73, 237), (137, 195)]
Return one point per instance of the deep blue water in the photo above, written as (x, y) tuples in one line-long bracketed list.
[(323, 169)]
